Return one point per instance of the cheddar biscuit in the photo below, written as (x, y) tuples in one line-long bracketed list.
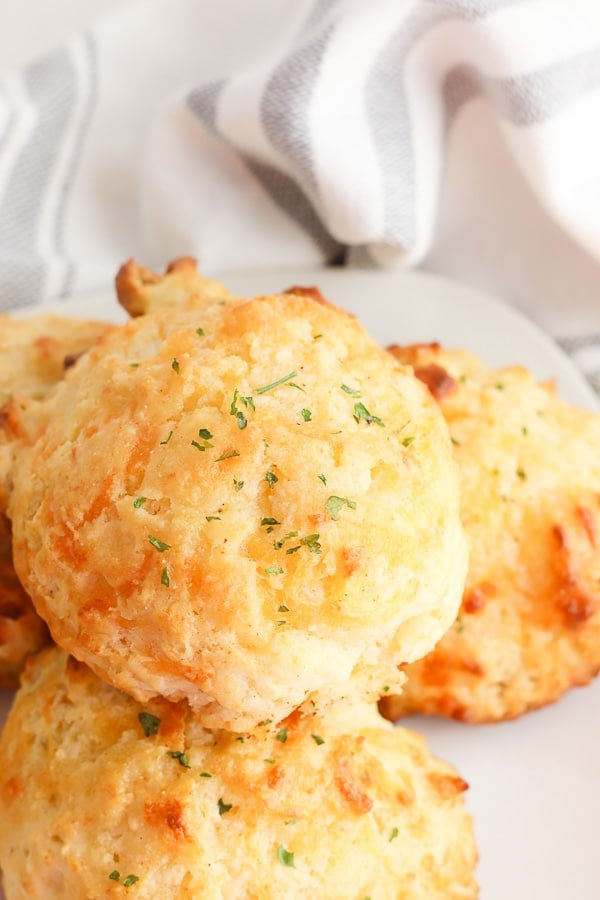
[(141, 290), (99, 795), (33, 354), (529, 624), (244, 503)]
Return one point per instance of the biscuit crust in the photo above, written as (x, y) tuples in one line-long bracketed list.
[(141, 290), (244, 503), (336, 806), (529, 625), (33, 352)]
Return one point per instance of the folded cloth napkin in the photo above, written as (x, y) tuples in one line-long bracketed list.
[(459, 135)]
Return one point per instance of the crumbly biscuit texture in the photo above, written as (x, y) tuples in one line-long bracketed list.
[(98, 793), (529, 624), (244, 503), (33, 354), (22, 632), (35, 350), (141, 290)]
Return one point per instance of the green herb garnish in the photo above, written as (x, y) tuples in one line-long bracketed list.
[(168, 438), (394, 834), (322, 478), (139, 501), (285, 857), (241, 419), (361, 412), (335, 505), (312, 542), (306, 414), (274, 570), (352, 391), (164, 577), (158, 544), (150, 724), (282, 736), (271, 478), (223, 807), (275, 384), (205, 435), (114, 875), (175, 365), (279, 544), (318, 739), (181, 756), (131, 879), (229, 455)]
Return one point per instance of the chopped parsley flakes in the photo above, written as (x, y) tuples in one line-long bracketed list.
[(150, 724), (271, 478), (317, 739), (393, 834), (282, 736), (229, 455), (241, 419), (205, 435), (276, 384), (223, 807), (312, 542), (139, 501), (181, 756), (335, 505), (285, 857), (175, 365), (306, 414), (159, 545), (128, 881), (274, 570), (361, 412), (164, 577), (348, 390)]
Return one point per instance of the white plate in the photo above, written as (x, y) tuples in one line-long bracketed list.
[(535, 783)]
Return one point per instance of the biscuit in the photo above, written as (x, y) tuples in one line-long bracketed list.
[(98, 793), (33, 352), (243, 503), (141, 290), (529, 624)]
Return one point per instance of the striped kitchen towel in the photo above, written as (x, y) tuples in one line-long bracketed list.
[(459, 135)]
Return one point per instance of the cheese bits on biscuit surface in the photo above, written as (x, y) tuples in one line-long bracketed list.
[(244, 503)]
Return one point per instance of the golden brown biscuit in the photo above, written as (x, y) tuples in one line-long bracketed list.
[(32, 359), (141, 290), (98, 793), (33, 351), (529, 625), (243, 504)]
